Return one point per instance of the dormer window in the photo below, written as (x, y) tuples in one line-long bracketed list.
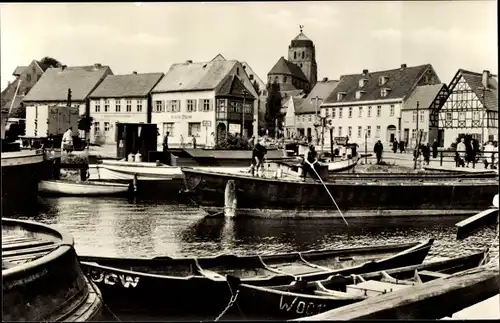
[(384, 92), (362, 82), (340, 96), (382, 80), (359, 94)]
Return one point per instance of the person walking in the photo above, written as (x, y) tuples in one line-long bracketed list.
[(435, 148), (401, 146), (378, 149), (395, 146), (461, 149), (194, 142)]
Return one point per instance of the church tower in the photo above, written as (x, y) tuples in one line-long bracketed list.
[(302, 53)]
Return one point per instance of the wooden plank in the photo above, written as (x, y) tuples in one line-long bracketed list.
[(432, 274), (26, 244), (26, 257), (28, 251), (470, 225), (432, 300)]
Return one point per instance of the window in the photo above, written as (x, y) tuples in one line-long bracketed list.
[(360, 130), (368, 131), (340, 96), (360, 112), (330, 112), (449, 116), (422, 115), (362, 82), (191, 105), (461, 116), (302, 55), (310, 118), (106, 105), (340, 131), (294, 55), (175, 105), (251, 77), (106, 126), (379, 110), (349, 131), (221, 105), (97, 107), (358, 94), (392, 110), (413, 133), (334, 110), (369, 112), (350, 112), (284, 79), (206, 105), (118, 106), (377, 132), (97, 127), (139, 105), (129, 106), (159, 107), (382, 80), (194, 129), (340, 113), (168, 127), (414, 116), (475, 115)]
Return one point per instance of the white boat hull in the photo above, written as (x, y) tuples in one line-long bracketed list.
[(81, 188), (342, 165)]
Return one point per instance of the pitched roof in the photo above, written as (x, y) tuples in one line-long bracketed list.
[(425, 95), (19, 70), (219, 57), (323, 89), (130, 85), (231, 85), (474, 80), (286, 67), (194, 76), (301, 36), (44, 67), (400, 81), (55, 82)]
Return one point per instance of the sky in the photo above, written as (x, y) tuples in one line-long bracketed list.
[(349, 36)]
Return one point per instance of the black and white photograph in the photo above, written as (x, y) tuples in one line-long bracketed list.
[(249, 161)]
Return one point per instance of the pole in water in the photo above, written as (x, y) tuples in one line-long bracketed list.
[(134, 182), (326, 188), (230, 199)]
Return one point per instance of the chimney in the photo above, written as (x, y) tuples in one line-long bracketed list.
[(97, 65), (134, 72), (325, 79), (486, 77), (189, 61), (365, 72), (403, 66), (63, 67)]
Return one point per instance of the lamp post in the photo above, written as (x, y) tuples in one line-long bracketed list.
[(243, 115)]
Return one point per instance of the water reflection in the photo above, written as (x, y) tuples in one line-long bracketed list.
[(115, 227)]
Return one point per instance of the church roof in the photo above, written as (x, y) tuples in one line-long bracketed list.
[(301, 36), (286, 67)]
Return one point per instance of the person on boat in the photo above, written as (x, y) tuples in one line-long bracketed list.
[(435, 146), (258, 154), (402, 146), (138, 157), (310, 163), (395, 146), (67, 141), (461, 149), (378, 149)]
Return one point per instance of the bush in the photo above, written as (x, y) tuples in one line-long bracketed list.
[(233, 142)]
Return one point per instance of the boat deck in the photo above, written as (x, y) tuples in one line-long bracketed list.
[(20, 247)]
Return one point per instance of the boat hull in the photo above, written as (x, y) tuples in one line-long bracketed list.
[(208, 189), (134, 284), (67, 188)]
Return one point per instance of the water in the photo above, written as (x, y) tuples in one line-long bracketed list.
[(118, 228)]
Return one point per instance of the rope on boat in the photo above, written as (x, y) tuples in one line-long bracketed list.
[(102, 301), (230, 304), (326, 188)]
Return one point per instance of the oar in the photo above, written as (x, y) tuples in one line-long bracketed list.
[(326, 188)]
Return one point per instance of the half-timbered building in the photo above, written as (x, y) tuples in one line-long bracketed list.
[(471, 107)]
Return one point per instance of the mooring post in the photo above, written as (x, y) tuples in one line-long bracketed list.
[(134, 182), (230, 199)]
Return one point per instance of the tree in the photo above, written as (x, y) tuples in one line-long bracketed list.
[(50, 62), (273, 107), (233, 142), (84, 123), (256, 87)]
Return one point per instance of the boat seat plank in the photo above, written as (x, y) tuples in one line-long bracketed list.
[(27, 244), (16, 239), (373, 287), (433, 274), (24, 258), (211, 274), (296, 268), (28, 251)]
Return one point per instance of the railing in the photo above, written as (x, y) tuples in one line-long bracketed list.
[(448, 156)]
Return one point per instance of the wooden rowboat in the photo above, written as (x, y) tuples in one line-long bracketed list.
[(302, 298), (83, 188), (199, 284)]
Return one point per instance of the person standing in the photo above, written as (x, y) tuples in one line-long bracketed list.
[(426, 152), (310, 162), (395, 146), (258, 154), (435, 148), (378, 149), (401, 146), (461, 152), (194, 142), (182, 141), (165, 142), (67, 141)]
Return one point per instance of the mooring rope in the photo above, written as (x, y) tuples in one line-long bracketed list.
[(232, 300), (326, 188), (102, 300)]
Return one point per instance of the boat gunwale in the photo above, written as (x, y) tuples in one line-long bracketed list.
[(66, 244), (85, 183)]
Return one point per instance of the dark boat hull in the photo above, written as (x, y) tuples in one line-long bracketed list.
[(256, 193), (134, 284), (282, 303)]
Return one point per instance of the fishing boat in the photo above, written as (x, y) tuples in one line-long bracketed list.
[(302, 298), (81, 188), (292, 197), (41, 277), (134, 284)]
